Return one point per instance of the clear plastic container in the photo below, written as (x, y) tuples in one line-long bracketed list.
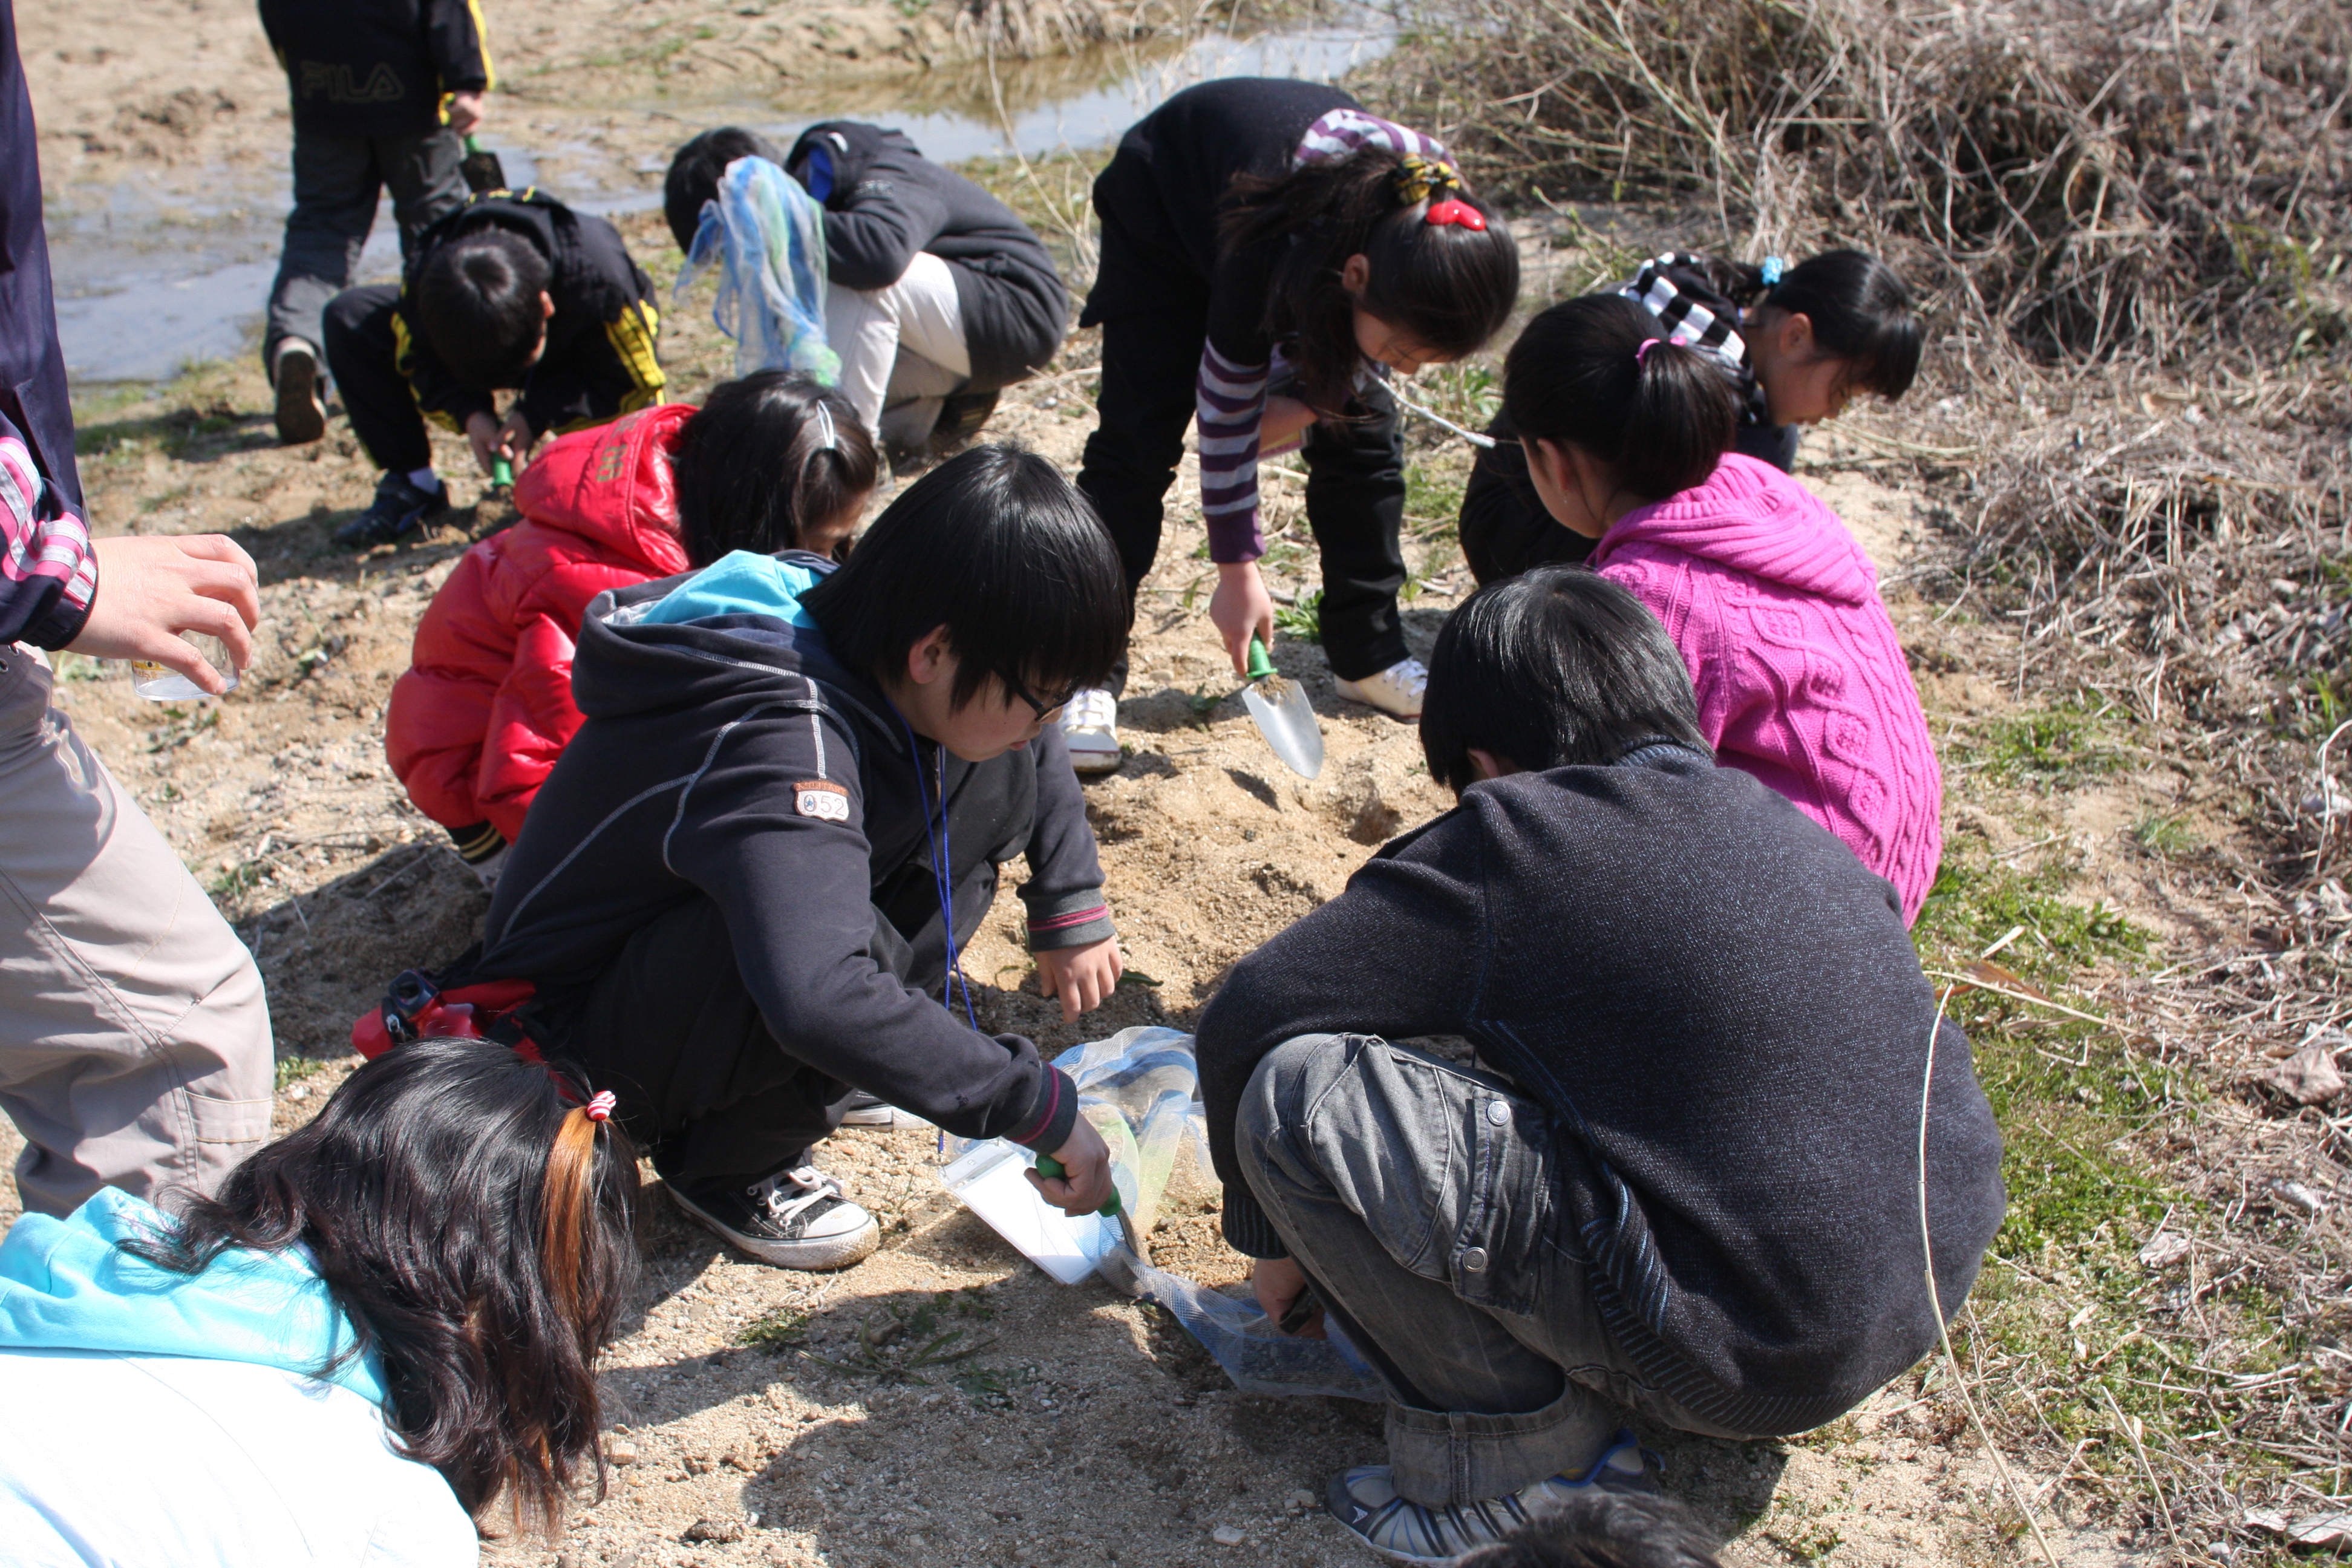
[(161, 683)]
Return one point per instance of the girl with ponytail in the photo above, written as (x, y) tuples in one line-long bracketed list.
[(385, 1327), (1799, 342), (1801, 680), (1270, 254), (769, 463)]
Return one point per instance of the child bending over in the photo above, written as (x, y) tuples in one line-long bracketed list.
[(771, 462), (1800, 678), (1662, 1160)]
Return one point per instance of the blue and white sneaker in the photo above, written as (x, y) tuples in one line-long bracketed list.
[(1365, 1500)]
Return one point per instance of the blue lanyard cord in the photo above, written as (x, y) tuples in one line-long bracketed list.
[(942, 876)]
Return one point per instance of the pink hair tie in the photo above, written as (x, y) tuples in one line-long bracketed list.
[(1643, 351), (601, 1107)]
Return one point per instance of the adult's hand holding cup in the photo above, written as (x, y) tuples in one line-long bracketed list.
[(160, 597)]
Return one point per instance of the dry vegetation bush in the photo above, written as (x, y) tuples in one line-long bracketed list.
[(2130, 221)]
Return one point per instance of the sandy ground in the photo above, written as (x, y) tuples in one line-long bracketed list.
[(1086, 1429)]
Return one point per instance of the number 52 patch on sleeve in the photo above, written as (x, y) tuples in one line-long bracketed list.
[(822, 799)]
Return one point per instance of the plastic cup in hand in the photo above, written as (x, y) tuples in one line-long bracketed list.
[(161, 683)]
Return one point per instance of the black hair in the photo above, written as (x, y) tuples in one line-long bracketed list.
[(1556, 669), (693, 177), (478, 299), (473, 1224), (1860, 311), (763, 458), (1598, 1528), (1664, 415), (996, 545), (1450, 286)]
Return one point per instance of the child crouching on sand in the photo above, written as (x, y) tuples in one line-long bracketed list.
[(1800, 678), (742, 892), (771, 462), (1677, 1174)]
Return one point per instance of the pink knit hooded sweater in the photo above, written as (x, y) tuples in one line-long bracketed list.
[(1800, 680)]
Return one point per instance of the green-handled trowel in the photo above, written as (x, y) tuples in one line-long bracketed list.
[(1284, 715)]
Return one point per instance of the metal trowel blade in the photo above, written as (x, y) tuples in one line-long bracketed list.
[(1287, 722)]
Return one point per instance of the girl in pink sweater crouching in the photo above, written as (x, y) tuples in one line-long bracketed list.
[(1775, 608)]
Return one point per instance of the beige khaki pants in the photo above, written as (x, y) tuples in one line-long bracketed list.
[(135, 1038)]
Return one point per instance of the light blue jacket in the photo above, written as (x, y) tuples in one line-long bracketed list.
[(66, 1284)]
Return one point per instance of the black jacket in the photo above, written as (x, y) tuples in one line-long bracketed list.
[(887, 203), (1161, 196), (693, 776), (599, 361), (376, 67), (1723, 1014)]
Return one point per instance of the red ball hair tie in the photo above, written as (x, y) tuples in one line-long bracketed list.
[(601, 1107), (1452, 211)]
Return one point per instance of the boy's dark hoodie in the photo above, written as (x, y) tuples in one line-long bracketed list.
[(728, 757), (1723, 1014), (887, 203)]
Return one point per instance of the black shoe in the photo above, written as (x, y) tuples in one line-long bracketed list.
[(960, 421), (301, 407), (400, 508), (793, 1219)]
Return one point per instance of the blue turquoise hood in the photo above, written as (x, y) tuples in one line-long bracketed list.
[(741, 584), (66, 1284)]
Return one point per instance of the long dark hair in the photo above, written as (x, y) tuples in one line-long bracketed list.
[(1595, 372), (1860, 310), (764, 457), (1449, 285), (472, 1222), (1556, 669), (996, 545)]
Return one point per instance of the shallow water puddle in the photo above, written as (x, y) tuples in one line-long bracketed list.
[(175, 265)]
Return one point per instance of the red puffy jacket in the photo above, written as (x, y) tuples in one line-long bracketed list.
[(485, 707)]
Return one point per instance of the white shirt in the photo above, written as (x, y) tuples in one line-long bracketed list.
[(133, 1461)]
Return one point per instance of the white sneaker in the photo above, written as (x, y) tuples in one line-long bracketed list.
[(1396, 689), (1090, 730), (870, 1111)]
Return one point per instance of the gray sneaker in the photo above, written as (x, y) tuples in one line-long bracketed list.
[(868, 1110), (793, 1219), (1365, 1500)]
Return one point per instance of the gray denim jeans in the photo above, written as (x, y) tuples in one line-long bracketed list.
[(336, 182), (1420, 1196)]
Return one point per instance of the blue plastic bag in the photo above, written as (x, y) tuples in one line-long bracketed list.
[(767, 236)]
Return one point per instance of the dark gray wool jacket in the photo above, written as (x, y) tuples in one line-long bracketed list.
[(887, 202), (1723, 1014)]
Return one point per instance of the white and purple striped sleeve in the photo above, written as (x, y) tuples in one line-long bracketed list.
[(1231, 401), (1343, 131), (47, 573)]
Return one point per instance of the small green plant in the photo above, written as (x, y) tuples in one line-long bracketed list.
[(294, 1070), (995, 1387), (2052, 746), (1303, 620), (2163, 835), (901, 1343), (1203, 702), (777, 1333)]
